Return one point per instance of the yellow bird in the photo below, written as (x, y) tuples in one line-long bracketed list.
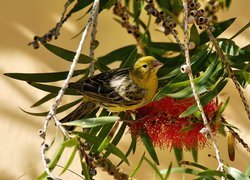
[(119, 89)]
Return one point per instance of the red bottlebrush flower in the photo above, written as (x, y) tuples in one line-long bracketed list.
[(161, 121)]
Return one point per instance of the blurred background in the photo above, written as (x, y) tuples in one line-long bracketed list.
[(20, 156)]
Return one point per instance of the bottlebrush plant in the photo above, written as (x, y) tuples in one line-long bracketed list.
[(185, 114)]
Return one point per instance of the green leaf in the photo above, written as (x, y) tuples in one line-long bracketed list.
[(206, 98), (102, 67), (241, 30), (93, 122), (178, 155), (116, 55), (211, 173), (53, 162), (52, 89), (223, 107), (44, 99), (236, 174), (194, 165), (247, 173), (117, 137), (195, 154), (132, 147), (59, 110), (81, 4), (107, 4), (137, 9), (132, 174), (229, 47), (153, 165), (43, 77), (149, 146), (66, 54), (183, 170), (110, 147), (130, 58), (73, 142), (219, 29), (168, 171), (70, 142), (194, 35)]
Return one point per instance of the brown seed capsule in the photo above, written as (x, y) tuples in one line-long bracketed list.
[(200, 20), (192, 5), (193, 12)]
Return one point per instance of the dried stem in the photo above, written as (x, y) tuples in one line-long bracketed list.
[(58, 98), (236, 135), (92, 42), (229, 70), (197, 99)]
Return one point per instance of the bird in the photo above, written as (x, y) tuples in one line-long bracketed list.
[(117, 90)]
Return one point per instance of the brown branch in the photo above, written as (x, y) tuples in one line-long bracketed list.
[(190, 75)]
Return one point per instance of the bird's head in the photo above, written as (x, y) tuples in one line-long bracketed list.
[(145, 67)]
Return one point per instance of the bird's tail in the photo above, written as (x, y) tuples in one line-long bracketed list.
[(78, 113)]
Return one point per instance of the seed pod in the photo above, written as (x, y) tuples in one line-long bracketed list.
[(231, 146)]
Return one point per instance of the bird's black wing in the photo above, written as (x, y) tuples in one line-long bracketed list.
[(111, 87)]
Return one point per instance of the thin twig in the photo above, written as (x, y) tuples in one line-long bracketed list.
[(236, 135), (197, 99), (229, 70), (58, 98), (92, 43)]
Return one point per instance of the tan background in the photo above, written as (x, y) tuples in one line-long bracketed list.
[(19, 143)]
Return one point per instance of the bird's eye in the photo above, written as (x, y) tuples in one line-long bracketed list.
[(144, 65)]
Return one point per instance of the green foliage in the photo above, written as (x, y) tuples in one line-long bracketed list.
[(210, 77)]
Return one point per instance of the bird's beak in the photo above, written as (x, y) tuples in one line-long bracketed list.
[(157, 64)]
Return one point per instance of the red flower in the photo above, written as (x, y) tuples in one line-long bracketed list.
[(161, 121)]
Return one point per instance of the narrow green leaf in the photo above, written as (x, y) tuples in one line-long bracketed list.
[(93, 122), (223, 107), (178, 155), (229, 47), (195, 154), (181, 170), (168, 171), (211, 173), (241, 30), (247, 173), (71, 158), (137, 9), (132, 147), (70, 143), (102, 67), (117, 137), (110, 147), (116, 55), (219, 29), (66, 54), (104, 144), (132, 174), (130, 60), (43, 77), (194, 165), (153, 165), (194, 35), (53, 162), (206, 98), (81, 4), (149, 146), (236, 174), (59, 110), (44, 99), (52, 89)]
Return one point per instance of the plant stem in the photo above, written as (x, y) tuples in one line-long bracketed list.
[(190, 75), (229, 70), (58, 98)]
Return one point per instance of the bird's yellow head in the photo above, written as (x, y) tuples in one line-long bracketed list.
[(146, 67)]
